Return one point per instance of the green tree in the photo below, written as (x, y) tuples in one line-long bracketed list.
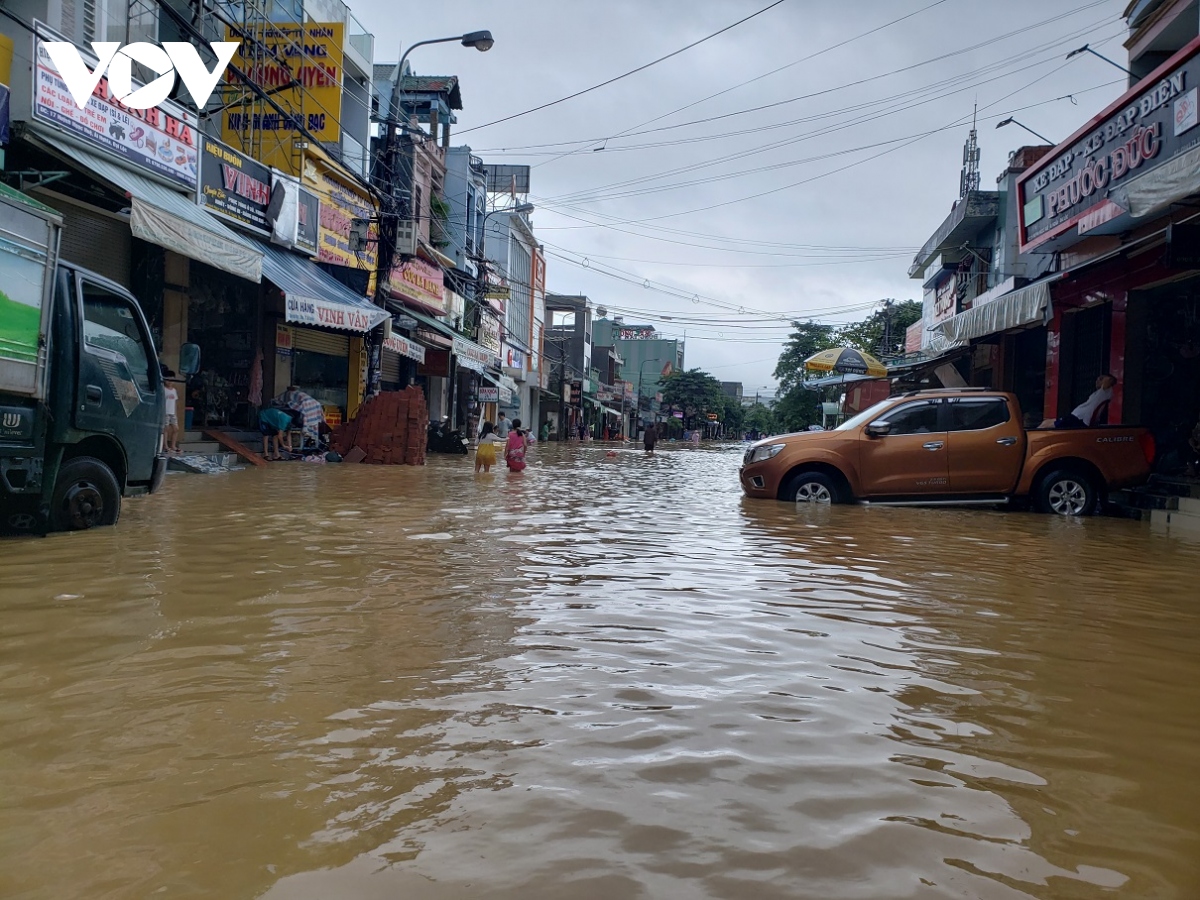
[(797, 408), (876, 335), (806, 339), (760, 418), (733, 417), (695, 392)]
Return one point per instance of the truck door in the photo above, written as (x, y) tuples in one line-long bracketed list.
[(987, 445), (910, 460), (119, 388)]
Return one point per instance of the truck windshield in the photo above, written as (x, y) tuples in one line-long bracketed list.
[(867, 415), (109, 323)]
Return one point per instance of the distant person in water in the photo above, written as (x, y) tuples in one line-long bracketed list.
[(650, 438), (514, 448)]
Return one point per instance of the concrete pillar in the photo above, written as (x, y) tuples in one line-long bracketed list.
[(1116, 356), (1053, 360), (176, 273)]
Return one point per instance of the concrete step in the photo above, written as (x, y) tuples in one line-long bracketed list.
[(203, 463), (1174, 485), (1189, 506), (199, 448), (1141, 498)]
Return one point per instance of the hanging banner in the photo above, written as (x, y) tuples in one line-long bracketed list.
[(162, 140), (487, 394), (235, 187), (405, 347), (489, 333)]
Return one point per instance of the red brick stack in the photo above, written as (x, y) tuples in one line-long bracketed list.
[(390, 429)]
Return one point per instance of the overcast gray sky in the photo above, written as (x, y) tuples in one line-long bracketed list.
[(811, 208)]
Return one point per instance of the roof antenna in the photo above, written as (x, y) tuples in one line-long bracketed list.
[(969, 180)]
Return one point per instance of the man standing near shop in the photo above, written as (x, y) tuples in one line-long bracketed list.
[(503, 427)]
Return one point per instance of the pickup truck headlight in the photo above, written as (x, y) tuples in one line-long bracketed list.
[(759, 454)]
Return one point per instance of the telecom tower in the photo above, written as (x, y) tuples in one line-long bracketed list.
[(969, 180)]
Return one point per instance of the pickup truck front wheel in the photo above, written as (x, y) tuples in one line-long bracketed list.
[(1066, 493), (812, 487), (85, 495)]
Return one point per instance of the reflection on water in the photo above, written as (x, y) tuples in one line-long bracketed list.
[(602, 678)]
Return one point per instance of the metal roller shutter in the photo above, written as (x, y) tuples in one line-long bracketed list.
[(95, 241), (320, 342), (389, 366)]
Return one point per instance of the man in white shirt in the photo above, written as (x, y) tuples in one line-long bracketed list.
[(1088, 413), (503, 427), (171, 429)]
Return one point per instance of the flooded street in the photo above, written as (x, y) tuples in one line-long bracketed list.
[(604, 678)]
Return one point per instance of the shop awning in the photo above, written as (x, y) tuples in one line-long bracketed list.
[(170, 219), (1161, 186), (405, 347), (1021, 307), (314, 297), (470, 355)]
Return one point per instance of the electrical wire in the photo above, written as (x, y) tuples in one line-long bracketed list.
[(641, 68)]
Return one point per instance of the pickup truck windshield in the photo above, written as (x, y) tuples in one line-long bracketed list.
[(867, 415)]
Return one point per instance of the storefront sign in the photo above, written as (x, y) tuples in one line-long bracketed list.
[(946, 300), (234, 186), (308, 222), (405, 347), (1082, 186), (283, 340), (314, 311), (576, 393), (513, 358), (471, 355), (637, 333), (488, 394), (280, 55), (340, 205), (162, 140), (419, 282), (489, 333)]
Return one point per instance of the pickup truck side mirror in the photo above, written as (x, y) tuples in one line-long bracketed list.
[(189, 359), (879, 428)]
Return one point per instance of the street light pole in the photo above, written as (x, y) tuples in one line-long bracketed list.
[(389, 216), (641, 372)]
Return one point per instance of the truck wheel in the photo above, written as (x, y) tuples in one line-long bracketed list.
[(86, 494), (812, 487), (1064, 492)]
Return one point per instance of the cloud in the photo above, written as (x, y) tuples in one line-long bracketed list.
[(760, 253)]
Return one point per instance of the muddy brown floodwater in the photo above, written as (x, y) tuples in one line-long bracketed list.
[(604, 678)]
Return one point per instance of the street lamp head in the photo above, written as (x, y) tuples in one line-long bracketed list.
[(1004, 122), (1083, 49), (480, 40), (523, 209)]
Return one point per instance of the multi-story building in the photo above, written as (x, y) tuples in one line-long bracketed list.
[(516, 266), (1094, 258), (647, 358), (233, 227)]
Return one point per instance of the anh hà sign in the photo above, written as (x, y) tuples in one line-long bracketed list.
[(314, 311), (1079, 188), (162, 139)]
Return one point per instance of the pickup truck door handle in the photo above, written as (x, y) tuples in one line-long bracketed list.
[(934, 445), (1007, 442), (94, 394)]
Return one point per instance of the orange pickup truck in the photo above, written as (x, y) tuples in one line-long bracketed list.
[(949, 447)]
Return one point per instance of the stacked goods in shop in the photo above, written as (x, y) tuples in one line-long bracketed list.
[(390, 429)]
